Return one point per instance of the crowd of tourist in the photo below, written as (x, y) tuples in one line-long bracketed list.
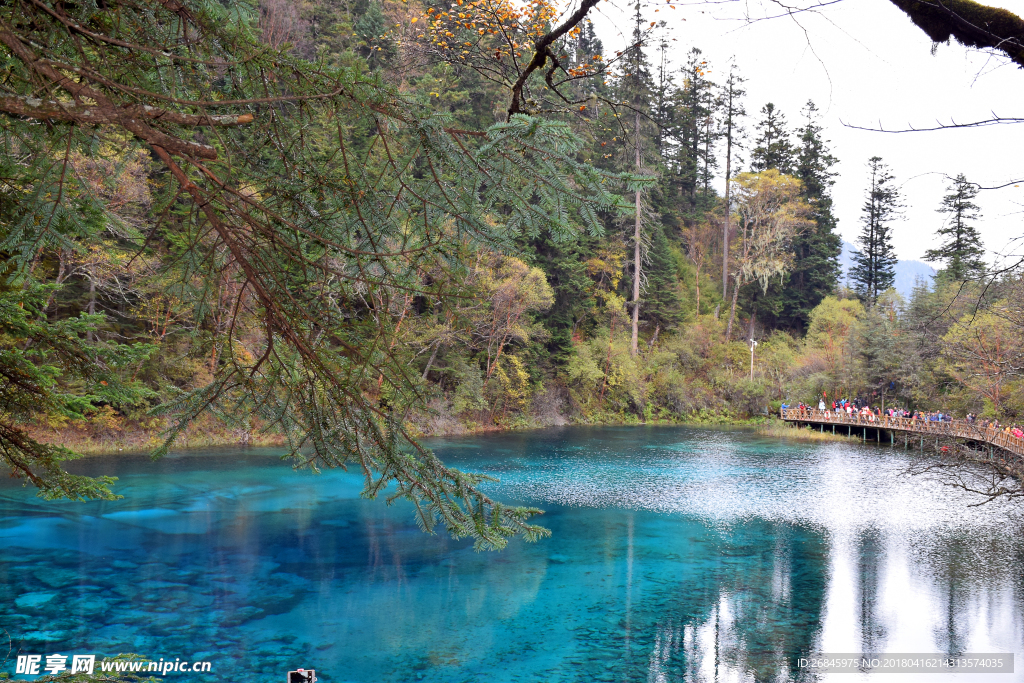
[(866, 413), (849, 408)]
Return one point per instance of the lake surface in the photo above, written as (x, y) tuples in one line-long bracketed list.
[(677, 555)]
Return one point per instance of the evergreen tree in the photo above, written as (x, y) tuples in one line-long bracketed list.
[(374, 43), (585, 47), (699, 100), (54, 368), (874, 263), (788, 303), (882, 350), (564, 264), (816, 252), (961, 251), (773, 148), (663, 305), (586, 55), (637, 88), (689, 136), (730, 103), (664, 110)]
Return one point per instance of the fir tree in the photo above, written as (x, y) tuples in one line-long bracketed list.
[(53, 368), (664, 110), (730, 104), (816, 252), (788, 303), (961, 251), (586, 46), (663, 305), (374, 43), (564, 263), (586, 54), (874, 263), (884, 357), (690, 134), (772, 148), (637, 87)]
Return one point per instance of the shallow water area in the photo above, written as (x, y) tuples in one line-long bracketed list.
[(676, 554)]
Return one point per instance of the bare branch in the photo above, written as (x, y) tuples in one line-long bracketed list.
[(994, 121)]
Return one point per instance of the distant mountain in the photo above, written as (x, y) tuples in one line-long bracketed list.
[(907, 272)]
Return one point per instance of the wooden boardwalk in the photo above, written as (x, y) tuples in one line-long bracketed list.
[(958, 429)]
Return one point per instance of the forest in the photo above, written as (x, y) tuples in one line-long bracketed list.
[(346, 225)]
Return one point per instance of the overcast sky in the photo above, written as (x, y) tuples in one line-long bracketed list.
[(864, 63)]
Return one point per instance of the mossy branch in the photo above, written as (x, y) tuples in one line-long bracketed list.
[(971, 23)]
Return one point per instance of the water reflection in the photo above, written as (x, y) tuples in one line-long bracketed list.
[(678, 555), (872, 627)]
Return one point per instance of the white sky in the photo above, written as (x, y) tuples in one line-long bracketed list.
[(864, 62)]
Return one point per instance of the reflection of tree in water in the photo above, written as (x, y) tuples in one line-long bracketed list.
[(957, 560), (754, 606), (870, 556), (968, 567)]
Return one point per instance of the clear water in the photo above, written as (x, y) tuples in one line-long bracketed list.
[(677, 555)]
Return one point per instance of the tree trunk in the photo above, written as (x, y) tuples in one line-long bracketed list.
[(707, 157), (636, 250), (61, 268), (92, 299), (650, 344), (398, 327), (728, 211), (732, 311), (697, 281), (426, 370), (608, 360)]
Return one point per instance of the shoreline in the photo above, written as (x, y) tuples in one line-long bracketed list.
[(199, 435)]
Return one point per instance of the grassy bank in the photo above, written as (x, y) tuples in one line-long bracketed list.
[(784, 430), (128, 436)]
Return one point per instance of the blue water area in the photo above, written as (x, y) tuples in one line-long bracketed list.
[(676, 555)]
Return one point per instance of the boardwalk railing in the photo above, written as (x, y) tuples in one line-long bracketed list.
[(961, 429)]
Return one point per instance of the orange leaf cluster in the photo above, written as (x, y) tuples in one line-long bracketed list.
[(471, 23)]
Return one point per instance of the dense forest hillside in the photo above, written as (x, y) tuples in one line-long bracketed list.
[(573, 263), (545, 335)]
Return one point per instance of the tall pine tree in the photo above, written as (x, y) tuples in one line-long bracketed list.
[(816, 252), (637, 86), (730, 103), (689, 136), (961, 251), (772, 148), (663, 305), (875, 261)]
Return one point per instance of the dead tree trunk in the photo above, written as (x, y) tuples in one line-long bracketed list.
[(636, 249)]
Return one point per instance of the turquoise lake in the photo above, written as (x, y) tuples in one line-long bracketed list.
[(677, 554)]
